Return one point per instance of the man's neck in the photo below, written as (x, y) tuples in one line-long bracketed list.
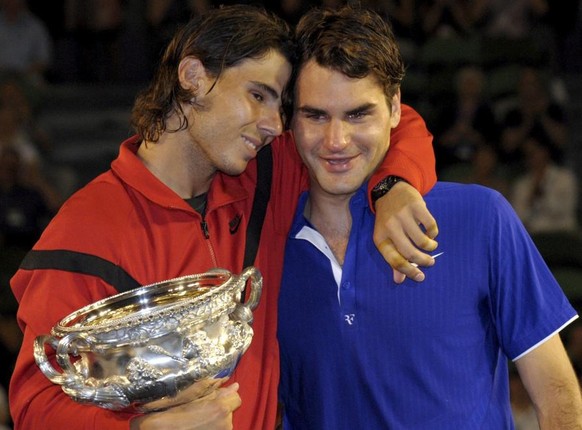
[(331, 217), (174, 161)]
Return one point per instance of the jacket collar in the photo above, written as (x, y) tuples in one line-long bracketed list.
[(131, 170)]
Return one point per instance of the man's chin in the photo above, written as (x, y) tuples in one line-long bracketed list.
[(340, 184), (235, 170)]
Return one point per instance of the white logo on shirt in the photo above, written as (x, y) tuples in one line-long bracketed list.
[(349, 318)]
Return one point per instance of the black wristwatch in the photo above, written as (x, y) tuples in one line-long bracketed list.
[(384, 186)]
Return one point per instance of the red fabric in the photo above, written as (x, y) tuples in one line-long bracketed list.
[(128, 217), (413, 161)]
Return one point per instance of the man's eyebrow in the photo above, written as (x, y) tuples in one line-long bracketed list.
[(310, 110), (268, 89), (361, 108), (315, 111)]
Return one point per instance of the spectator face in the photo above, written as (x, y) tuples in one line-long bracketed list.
[(530, 86), (485, 159), (9, 122), (536, 154), (9, 167), (470, 82), (342, 127)]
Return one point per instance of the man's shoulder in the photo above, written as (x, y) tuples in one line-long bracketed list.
[(453, 189), (101, 191), (453, 196), (101, 201), (95, 217)]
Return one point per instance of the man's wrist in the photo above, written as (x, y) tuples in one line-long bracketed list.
[(385, 185)]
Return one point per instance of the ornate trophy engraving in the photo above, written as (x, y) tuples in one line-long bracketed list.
[(152, 342)]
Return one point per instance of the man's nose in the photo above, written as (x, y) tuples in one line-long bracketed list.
[(336, 135), (271, 122)]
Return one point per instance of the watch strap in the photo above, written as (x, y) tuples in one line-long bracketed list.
[(385, 185)]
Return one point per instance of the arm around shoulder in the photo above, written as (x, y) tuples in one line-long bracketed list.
[(401, 209), (411, 154)]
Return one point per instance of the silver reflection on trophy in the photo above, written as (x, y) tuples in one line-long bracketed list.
[(138, 350)]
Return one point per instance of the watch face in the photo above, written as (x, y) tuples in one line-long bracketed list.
[(384, 186)]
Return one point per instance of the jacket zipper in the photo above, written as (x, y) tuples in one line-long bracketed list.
[(206, 233)]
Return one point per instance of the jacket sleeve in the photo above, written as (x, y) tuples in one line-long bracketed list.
[(35, 402), (411, 155), (46, 296)]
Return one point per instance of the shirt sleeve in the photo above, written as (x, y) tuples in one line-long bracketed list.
[(411, 154), (527, 303)]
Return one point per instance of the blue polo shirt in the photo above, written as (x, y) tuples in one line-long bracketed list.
[(359, 351)]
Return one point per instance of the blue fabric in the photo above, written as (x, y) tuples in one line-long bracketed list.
[(431, 355)]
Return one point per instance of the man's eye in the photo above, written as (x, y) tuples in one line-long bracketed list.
[(358, 115), (259, 97), (315, 116)]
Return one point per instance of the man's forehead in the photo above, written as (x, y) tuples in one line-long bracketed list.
[(314, 71), (318, 85), (267, 88), (269, 72)]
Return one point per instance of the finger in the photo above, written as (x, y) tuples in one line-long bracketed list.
[(399, 277), (220, 392), (399, 263), (401, 250), (417, 259), (213, 411), (199, 389), (424, 218), (228, 390), (203, 387), (408, 270), (404, 266), (421, 227), (397, 245), (389, 251), (229, 396), (432, 229), (413, 240)]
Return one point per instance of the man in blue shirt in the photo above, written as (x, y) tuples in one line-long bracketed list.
[(359, 350)]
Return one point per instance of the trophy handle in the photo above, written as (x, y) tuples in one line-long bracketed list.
[(42, 360), (243, 311), (67, 346), (111, 397), (256, 286)]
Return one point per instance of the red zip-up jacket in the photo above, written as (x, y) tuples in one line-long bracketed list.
[(127, 222)]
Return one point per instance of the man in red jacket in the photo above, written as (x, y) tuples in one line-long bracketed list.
[(178, 200)]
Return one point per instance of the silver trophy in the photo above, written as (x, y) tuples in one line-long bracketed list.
[(147, 345)]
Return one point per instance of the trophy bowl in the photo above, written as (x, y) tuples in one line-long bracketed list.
[(147, 345)]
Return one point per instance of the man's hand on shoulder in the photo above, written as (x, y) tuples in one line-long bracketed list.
[(404, 228)]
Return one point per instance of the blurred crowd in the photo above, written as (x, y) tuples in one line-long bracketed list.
[(489, 76)]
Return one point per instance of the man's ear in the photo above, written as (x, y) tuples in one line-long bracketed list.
[(395, 109), (191, 73)]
